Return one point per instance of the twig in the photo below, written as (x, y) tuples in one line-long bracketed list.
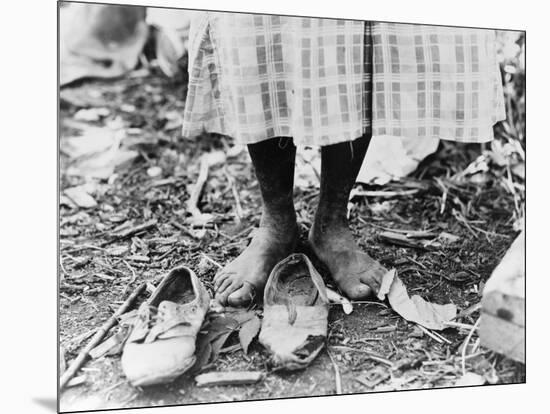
[(84, 247), (61, 265), (133, 230), (166, 253), (410, 259), (108, 391), (460, 218), (211, 260), (132, 280), (468, 311), (369, 354), (459, 325), (386, 194), (430, 334), (182, 229), (238, 207), (368, 302), (100, 334), (337, 377), (239, 234), (194, 198), (441, 337), (463, 354), (134, 276)]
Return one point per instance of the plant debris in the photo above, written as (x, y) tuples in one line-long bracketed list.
[(213, 379), (414, 309)]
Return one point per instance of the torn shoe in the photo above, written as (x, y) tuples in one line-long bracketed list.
[(294, 326), (161, 345)]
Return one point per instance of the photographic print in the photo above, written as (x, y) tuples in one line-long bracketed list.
[(257, 206)]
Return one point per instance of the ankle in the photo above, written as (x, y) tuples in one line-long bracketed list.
[(281, 222), (330, 231)]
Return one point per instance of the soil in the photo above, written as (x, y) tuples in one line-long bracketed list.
[(95, 280)]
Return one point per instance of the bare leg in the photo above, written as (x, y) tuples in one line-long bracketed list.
[(355, 272), (244, 278)]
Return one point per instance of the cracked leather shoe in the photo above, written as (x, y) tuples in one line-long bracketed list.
[(161, 345)]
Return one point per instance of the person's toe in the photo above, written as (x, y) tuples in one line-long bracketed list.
[(373, 278), (221, 276), (222, 295), (354, 288), (242, 296), (228, 288)]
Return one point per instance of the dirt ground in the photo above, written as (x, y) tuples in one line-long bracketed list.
[(98, 272)]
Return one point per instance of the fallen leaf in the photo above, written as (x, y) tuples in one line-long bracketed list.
[(76, 381), (447, 237), (97, 152), (469, 379), (519, 170), (154, 171), (248, 332), (218, 343), (203, 352), (200, 219), (458, 277), (92, 114), (415, 309), (80, 196), (334, 297), (66, 201), (68, 232), (117, 250), (62, 361)]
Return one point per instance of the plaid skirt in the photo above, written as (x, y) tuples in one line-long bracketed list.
[(324, 81)]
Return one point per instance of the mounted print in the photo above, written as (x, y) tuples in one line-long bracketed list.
[(257, 207)]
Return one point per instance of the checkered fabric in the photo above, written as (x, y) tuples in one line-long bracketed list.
[(324, 81)]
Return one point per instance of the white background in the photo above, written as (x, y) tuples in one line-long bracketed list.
[(28, 204)]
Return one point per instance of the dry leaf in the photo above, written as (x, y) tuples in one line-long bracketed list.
[(218, 344), (154, 171), (248, 332), (80, 196), (470, 378), (117, 250), (334, 297), (387, 280), (92, 114), (414, 309), (447, 237)]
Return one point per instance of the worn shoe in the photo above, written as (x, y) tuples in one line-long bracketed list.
[(294, 326), (161, 345)]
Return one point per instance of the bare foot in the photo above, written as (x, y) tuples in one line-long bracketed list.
[(356, 273), (243, 279)]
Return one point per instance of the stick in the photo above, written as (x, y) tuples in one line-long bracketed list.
[(430, 334), (466, 345), (337, 377), (133, 230), (386, 194), (212, 379), (100, 334), (238, 207), (459, 325), (211, 260), (369, 354), (194, 198)]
